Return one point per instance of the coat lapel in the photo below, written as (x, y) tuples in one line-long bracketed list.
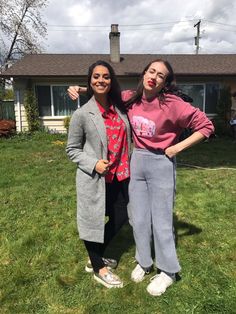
[(98, 121)]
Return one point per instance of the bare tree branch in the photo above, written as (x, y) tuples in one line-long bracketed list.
[(20, 28)]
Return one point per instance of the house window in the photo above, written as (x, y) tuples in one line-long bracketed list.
[(196, 92), (43, 95), (212, 97), (54, 101), (205, 96)]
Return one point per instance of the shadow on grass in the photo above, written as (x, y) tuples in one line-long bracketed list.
[(124, 240), (183, 229), (121, 243)]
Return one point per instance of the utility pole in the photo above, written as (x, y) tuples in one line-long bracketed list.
[(197, 38)]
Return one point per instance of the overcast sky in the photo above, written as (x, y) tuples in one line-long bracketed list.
[(146, 26)]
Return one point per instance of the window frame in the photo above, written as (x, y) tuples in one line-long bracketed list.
[(53, 116)]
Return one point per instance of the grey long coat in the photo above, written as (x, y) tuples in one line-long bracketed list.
[(87, 143)]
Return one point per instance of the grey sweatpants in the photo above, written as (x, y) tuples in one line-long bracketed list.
[(152, 192)]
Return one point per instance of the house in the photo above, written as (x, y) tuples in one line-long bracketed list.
[(200, 76)]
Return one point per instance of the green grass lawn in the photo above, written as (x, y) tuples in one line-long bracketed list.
[(42, 259)]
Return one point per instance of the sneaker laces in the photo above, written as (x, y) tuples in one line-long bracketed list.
[(154, 277), (162, 275)]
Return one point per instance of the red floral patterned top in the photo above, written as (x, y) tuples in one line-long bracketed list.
[(117, 145)]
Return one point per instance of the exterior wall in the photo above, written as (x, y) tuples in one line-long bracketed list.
[(228, 81), (21, 121), (53, 124), (128, 82), (56, 124), (19, 90), (131, 83), (231, 82)]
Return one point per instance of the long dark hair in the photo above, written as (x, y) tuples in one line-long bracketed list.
[(169, 88), (114, 93)]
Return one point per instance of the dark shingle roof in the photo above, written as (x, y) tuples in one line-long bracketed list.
[(69, 65)]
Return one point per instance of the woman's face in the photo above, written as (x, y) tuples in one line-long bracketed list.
[(100, 80), (155, 77)]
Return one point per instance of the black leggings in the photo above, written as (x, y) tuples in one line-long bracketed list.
[(116, 210)]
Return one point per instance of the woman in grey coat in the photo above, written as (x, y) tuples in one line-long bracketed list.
[(99, 143)]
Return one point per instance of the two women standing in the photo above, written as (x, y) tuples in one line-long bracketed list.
[(157, 115)]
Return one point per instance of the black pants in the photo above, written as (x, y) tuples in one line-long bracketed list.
[(116, 211)]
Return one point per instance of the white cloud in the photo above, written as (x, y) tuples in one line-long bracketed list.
[(174, 33), (180, 32), (79, 13)]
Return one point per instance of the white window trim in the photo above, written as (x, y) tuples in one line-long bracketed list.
[(52, 102)]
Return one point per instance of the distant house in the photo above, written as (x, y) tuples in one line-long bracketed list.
[(200, 76)]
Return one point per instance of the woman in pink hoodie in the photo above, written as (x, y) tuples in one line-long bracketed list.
[(158, 114)]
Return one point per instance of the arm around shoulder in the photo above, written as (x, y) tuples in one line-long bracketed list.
[(75, 91)]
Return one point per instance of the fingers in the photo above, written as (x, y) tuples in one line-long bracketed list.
[(105, 161), (102, 166), (72, 95), (73, 92), (105, 165)]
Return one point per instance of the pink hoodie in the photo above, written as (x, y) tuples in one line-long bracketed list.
[(160, 125)]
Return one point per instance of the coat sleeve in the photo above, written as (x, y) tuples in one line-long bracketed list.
[(75, 144)]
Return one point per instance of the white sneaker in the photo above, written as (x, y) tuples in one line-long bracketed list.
[(159, 284), (138, 274)]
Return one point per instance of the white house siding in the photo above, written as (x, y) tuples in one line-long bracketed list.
[(54, 124), (21, 121), (20, 114)]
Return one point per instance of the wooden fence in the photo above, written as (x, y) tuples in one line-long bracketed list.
[(7, 110)]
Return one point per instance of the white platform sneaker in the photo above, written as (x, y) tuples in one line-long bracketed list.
[(138, 274), (159, 284)]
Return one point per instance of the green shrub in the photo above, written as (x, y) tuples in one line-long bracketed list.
[(32, 111), (66, 123), (9, 94)]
